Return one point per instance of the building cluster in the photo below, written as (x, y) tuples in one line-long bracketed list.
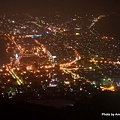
[(57, 56)]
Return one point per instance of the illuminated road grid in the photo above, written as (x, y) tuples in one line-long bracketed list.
[(59, 49)]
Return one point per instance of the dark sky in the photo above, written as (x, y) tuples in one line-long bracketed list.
[(60, 5)]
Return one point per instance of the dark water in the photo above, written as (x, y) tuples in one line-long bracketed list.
[(109, 26), (3, 54)]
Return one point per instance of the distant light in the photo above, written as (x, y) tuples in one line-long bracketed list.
[(53, 80), (32, 36), (81, 89), (95, 86), (53, 56), (13, 21), (71, 89), (52, 85), (118, 62), (94, 82), (16, 56), (67, 82), (74, 19), (77, 33), (3, 66), (77, 28), (96, 55), (107, 88), (104, 79), (90, 68)]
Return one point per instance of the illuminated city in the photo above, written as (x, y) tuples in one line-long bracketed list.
[(58, 56)]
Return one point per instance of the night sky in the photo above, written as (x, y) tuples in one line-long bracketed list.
[(80, 6)]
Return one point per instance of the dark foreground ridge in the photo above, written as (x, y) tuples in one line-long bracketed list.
[(106, 103)]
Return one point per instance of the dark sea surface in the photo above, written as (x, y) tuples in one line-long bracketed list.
[(109, 26), (3, 54)]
